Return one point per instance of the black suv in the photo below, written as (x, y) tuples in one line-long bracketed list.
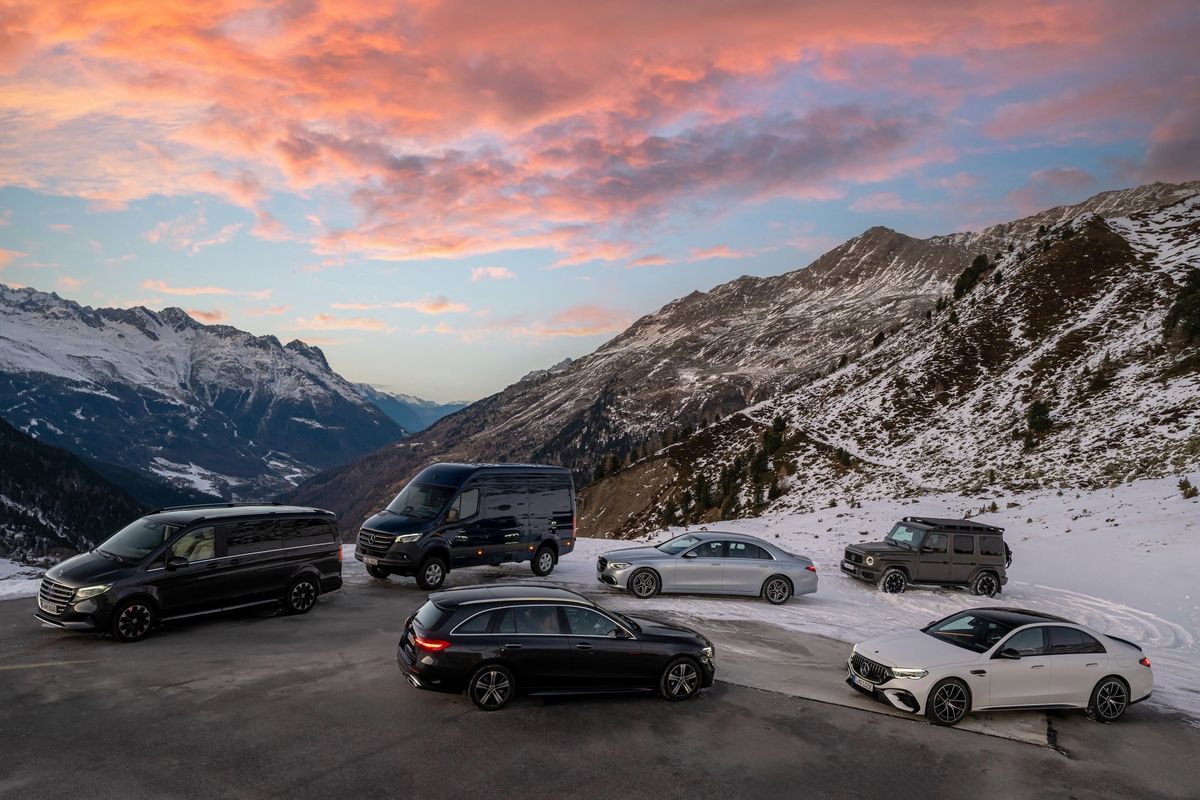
[(493, 640), (190, 560), (461, 515), (943, 552)]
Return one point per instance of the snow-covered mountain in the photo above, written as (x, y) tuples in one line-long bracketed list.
[(411, 413), (752, 340), (1051, 368), (205, 406)]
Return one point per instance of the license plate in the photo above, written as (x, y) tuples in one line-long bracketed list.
[(369, 561), (860, 682), (44, 606)]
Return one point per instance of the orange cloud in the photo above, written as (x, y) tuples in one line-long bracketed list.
[(7, 256), (328, 322), (193, 291), (432, 306), (69, 283), (208, 317), (269, 311)]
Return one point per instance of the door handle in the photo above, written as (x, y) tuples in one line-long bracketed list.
[(583, 646), (979, 672), (1037, 666), (512, 647), (1093, 664)]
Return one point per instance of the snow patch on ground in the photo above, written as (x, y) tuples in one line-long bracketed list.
[(18, 580)]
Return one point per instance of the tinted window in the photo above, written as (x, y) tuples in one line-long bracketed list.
[(244, 538), (428, 617), (1029, 642), (303, 532), (935, 543), (422, 500), (537, 619), (195, 545), (991, 546), (747, 550), (465, 506), (964, 545), (1067, 641), (710, 550), (505, 502), (549, 501), (138, 539), (476, 624), (507, 622), (969, 630), (585, 622)]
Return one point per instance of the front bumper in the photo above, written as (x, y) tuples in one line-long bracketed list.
[(400, 558), (900, 694), (66, 623), (617, 578), (860, 571), (90, 614)]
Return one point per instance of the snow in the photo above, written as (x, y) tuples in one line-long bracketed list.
[(18, 580), (192, 474)]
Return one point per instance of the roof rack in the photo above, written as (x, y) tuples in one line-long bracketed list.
[(213, 505), (964, 525)]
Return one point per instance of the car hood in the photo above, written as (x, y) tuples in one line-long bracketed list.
[(87, 569), (877, 548), (653, 627), (644, 553), (390, 522), (913, 649)]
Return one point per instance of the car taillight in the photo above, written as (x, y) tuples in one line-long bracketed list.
[(432, 645), (811, 568), (1145, 662), (341, 553)]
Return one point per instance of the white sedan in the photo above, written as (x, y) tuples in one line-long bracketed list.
[(1000, 658)]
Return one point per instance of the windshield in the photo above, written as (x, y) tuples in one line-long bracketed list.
[(136, 540), (422, 500), (904, 536), (677, 545), (975, 632)]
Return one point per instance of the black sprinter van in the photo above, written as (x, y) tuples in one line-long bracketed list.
[(461, 515)]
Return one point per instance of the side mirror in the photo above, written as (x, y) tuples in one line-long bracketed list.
[(617, 633), (1009, 653), (691, 554), (175, 562), (452, 515)]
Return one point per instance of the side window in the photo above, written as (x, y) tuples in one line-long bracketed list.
[(476, 624), (964, 545), (537, 619), (507, 622), (465, 506), (549, 501), (934, 543), (585, 622), (1029, 642), (747, 550), (195, 545), (303, 532), (246, 538), (710, 550), (1069, 641), (505, 502), (991, 546)]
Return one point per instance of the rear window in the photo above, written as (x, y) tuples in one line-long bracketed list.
[(244, 538), (1072, 641), (991, 546), (429, 616)]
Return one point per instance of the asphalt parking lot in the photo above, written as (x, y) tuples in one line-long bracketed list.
[(259, 705)]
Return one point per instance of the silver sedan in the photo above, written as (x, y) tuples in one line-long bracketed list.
[(709, 562)]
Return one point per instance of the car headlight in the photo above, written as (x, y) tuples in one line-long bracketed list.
[(91, 591), (408, 537), (911, 674), (707, 652), (870, 561), (620, 564)]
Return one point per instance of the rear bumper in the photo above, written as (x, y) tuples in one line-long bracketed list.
[(425, 672)]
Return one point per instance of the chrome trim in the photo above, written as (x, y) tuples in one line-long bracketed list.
[(454, 630), (248, 555), (580, 601), (218, 610)]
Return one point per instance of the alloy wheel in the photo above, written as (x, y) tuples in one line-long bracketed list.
[(134, 621), (987, 586), (644, 584), (545, 562), (894, 583), (491, 689), (304, 594), (950, 703), (682, 680), (1111, 700), (434, 574), (777, 590)]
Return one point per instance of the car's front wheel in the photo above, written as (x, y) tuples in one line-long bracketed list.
[(133, 619), (491, 687), (948, 702), (644, 583), (432, 574), (680, 680), (1110, 699), (378, 573), (893, 581)]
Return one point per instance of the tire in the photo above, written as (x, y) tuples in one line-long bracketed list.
[(680, 680), (432, 573), (133, 619), (378, 573), (986, 584), (491, 687), (948, 702), (644, 583), (1109, 701), (543, 562), (777, 590), (301, 595), (893, 581)]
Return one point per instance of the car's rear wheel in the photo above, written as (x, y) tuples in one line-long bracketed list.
[(543, 562), (491, 687), (644, 583), (301, 595), (680, 680), (378, 573), (777, 590), (893, 581), (1109, 700), (133, 619), (431, 574), (986, 585), (949, 701)]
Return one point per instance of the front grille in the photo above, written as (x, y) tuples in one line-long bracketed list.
[(871, 670), (374, 543), (853, 557), (601, 563), (53, 597)]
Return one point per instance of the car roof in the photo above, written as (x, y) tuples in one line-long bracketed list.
[(185, 515), (505, 592), (964, 525), (456, 474), (1017, 617), (725, 536)]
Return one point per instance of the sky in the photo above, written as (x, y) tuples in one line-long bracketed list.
[(446, 195)]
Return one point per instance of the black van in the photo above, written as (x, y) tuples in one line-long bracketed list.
[(191, 560), (461, 515)]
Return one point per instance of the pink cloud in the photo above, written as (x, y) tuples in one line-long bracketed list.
[(329, 322), (7, 256), (269, 311), (718, 251), (432, 306), (69, 283), (1051, 187), (193, 291), (212, 317), (492, 274), (882, 201)]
